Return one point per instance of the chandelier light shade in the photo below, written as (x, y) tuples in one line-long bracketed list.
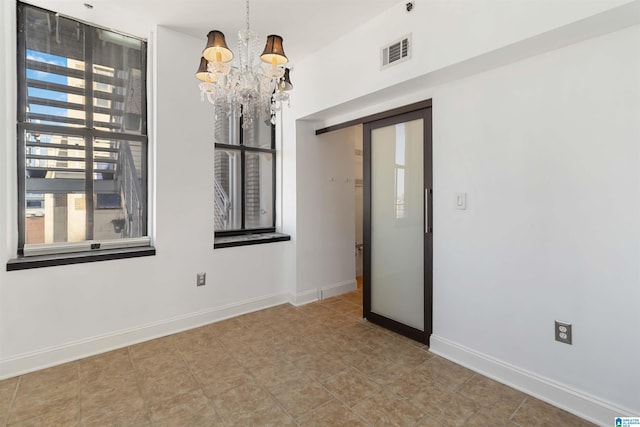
[(217, 49), (274, 52), (244, 84), (285, 83), (203, 73)]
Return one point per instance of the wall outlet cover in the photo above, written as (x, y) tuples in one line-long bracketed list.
[(563, 332)]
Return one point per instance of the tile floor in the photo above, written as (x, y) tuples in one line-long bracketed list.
[(316, 365)]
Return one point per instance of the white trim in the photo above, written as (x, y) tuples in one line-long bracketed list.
[(306, 297), (29, 362), (582, 404), (338, 289)]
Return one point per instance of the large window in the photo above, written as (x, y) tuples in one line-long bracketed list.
[(82, 136), (244, 176)]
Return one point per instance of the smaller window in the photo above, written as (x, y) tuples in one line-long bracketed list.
[(244, 184)]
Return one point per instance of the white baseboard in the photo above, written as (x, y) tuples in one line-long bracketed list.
[(577, 402), (29, 362), (306, 297), (338, 289)]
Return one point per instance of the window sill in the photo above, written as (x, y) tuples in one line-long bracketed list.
[(249, 239), (26, 263)]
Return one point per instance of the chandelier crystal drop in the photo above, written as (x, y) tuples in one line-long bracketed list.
[(248, 84)]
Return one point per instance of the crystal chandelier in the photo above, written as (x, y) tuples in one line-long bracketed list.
[(246, 86)]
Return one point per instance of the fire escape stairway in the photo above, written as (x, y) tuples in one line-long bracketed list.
[(56, 167)]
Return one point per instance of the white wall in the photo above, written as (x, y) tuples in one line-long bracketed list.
[(50, 315), (444, 32), (547, 150), (325, 207)]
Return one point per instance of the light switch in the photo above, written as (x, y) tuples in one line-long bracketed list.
[(461, 201)]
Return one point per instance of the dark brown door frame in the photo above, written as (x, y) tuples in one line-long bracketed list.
[(418, 110), (408, 331)]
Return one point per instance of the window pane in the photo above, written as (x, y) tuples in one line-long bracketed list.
[(53, 69), (119, 184), (118, 73), (226, 129), (228, 185), (55, 209), (258, 190), (258, 132)]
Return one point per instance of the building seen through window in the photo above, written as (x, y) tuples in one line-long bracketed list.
[(82, 137), (244, 180)]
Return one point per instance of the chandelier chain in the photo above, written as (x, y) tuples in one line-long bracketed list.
[(247, 10)]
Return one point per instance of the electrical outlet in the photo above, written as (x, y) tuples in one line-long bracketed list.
[(201, 279), (563, 332)]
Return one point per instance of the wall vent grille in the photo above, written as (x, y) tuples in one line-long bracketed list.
[(396, 52)]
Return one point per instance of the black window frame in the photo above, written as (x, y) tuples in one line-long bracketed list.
[(89, 134), (243, 150)]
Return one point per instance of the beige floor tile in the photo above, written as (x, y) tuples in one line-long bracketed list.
[(445, 374), (488, 393), (22, 412), (315, 309), (63, 376), (114, 388), (350, 386), (159, 363), (46, 392), (189, 409), (376, 338), (342, 305), (272, 416), (200, 357), (488, 417), (298, 397), (246, 356), (159, 385), (450, 409), (153, 348), (319, 366), (7, 391), (353, 297), (410, 384), (387, 409), (61, 413), (129, 412), (332, 414), (430, 421), (225, 327), (216, 379), (404, 352), (390, 374), (367, 362), (534, 412), (105, 365), (275, 373), (200, 339), (241, 401)]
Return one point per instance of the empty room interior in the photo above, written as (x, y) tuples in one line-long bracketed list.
[(234, 212)]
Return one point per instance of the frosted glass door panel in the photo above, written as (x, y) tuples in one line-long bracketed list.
[(397, 223)]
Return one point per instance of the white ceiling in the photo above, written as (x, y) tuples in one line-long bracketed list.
[(305, 25)]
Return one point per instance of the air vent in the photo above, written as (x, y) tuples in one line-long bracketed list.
[(396, 52)]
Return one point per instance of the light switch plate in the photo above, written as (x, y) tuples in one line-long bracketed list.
[(201, 279), (461, 201)]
